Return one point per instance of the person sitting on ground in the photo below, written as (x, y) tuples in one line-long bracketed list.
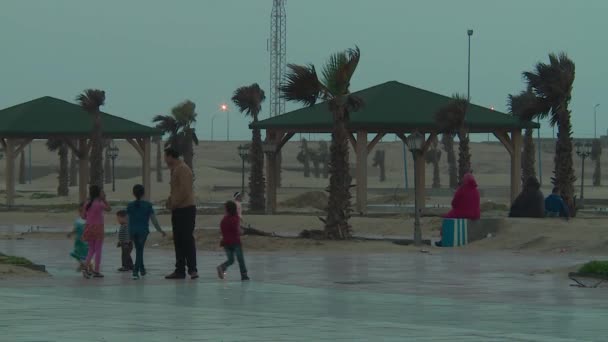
[(466, 201), (530, 202), (555, 205)]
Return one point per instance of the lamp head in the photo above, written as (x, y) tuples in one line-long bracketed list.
[(469, 32)]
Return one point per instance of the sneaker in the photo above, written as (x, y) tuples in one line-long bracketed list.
[(194, 275), (244, 277), (135, 276), (86, 274), (143, 273), (438, 244), (176, 275), (124, 269), (220, 272), (97, 275)]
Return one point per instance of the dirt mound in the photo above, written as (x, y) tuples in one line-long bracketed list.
[(312, 199)]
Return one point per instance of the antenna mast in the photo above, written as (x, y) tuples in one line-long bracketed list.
[(278, 55)]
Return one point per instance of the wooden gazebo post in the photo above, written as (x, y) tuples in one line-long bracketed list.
[(513, 145)]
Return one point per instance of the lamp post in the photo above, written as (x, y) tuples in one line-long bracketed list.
[(415, 142), (112, 153), (213, 119), (244, 154), (595, 120), (469, 33), (224, 108), (583, 151)]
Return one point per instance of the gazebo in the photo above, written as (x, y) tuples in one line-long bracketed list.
[(48, 117), (389, 108)]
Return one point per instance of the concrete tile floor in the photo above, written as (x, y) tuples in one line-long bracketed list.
[(448, 295)]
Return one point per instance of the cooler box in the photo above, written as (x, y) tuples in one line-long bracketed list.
[(454, 232)]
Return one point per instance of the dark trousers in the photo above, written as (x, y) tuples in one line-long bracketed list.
[(127, 262), (139, 240), (231, 251), (183, 221)]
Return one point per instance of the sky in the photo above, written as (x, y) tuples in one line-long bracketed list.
[(149, 55)]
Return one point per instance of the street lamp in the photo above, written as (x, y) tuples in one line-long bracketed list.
[(469, 33), (112, 153), (595, 120), (583, 151), (415, 142), (224, 108), (244, 154), (213, 119)]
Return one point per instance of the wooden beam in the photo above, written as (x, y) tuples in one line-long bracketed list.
[(374, 141), (73, 147), (146, 167), (503, 137), (402, 137), (22, 145), (284, 140), (428, 142), (9, 155), (361, 175), (3, 142), (353, 141), (136, 146)]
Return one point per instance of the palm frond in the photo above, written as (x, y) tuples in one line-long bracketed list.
[(185, 113), (249, 99), (553, 81), (451, 116), (527, 106), (166, 123), (91, 99), (339, 70), (301, 84)]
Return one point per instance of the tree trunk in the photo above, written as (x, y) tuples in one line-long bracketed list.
[(597, 173), (278, 172), (63, 189), (96, 158), (73, 169), (448, 146), (257, 182), (339, 206), (107, 167), (528, 159), (563, 175), (22, 167), (436, 175), (159, 162), (464, 154)]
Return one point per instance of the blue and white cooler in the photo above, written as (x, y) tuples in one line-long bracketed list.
[(454, 232)]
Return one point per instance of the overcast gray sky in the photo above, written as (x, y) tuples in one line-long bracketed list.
[(151, 54)]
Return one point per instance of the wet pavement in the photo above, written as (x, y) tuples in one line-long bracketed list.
[(445, 295)]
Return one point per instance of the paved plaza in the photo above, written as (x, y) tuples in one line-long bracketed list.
[(445, 295)]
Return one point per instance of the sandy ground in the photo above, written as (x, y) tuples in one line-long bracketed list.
[(12, 271)]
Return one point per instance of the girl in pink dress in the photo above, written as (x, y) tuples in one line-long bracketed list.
[(94, 231)]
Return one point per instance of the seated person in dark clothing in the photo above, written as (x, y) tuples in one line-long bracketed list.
[(530, 202), (555, 205)]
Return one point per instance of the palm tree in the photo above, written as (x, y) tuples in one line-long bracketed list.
[(596, 156), (249, 101), (73, 178), (450, 119), (527, 107), (180, 127), (447, 140), (552, 84), (303, 85), (432, 156), (107, 164), (90, 100), (61, 147)]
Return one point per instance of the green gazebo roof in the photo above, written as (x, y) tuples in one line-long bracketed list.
[(393, 107), (47, 117)]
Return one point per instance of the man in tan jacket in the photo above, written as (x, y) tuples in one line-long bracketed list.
[(183, 216)]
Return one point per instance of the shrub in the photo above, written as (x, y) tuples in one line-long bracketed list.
[(595, 267)]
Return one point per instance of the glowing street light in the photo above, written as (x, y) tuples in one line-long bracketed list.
[(224, 108)]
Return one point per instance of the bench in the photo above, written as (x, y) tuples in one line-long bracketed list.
[(460, 232)]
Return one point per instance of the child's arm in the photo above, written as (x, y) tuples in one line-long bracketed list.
[(72, 232), (107, 206), (157, 225)]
